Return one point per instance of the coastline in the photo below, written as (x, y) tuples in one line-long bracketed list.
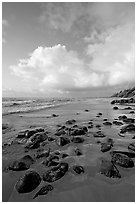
[(72, 187)]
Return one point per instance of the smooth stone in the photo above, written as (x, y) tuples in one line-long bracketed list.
[(19, 166), (128, 128), (78, 152), (28, 182), (115, 108), (70, 122), (105, 147), (107, 123)]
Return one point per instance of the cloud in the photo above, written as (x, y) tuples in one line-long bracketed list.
[(84, 17), (5, 24), (108, 30)]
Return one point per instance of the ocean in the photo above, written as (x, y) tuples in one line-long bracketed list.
[(24, 105)]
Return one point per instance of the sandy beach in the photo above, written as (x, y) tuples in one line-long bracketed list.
[(87, 186)]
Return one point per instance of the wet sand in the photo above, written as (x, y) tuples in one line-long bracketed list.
[(87, 187)]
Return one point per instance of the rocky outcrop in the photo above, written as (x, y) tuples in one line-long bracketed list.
[(28, 182), (127, 93)]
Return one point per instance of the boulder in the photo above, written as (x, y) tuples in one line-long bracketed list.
[(128, 108), (86, 110), (99, 134), (105, 119), (105, 147), (115, 108), (100, 114), (60, 132), (78, 152), (28, 182), (54, 115), (61, 141), (98, 126), (44, 190), (32, 145), (56, 172), (127, 153), (64, 155), (128, 128), (132, 112), (45, 153), (122, 160), (38, 137), (78, 169), (131, 147), (18, 166), (70, 122), (27, 159), (77, 139), (122, 117), (31, 132), (117, 123), (107, 123), (78, 131), (129, 120), (51, 139), (109, 169)]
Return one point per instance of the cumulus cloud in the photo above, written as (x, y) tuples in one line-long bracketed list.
[(108, 30)]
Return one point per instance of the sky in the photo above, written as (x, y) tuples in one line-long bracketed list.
[(67, 48)]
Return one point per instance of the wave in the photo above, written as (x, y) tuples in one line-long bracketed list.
[(33, 109)]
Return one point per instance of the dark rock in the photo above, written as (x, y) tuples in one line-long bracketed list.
[(64, 155), (125, 93), (98, 126), (86, 110), (43, 154), (90, 126), (105, 147), (57, 152), (117, 123), (78, 169), (90, 122), (100, 114), (78, 131), (44, 190), (132, 112), (31, 132), (128, 128), (78, 152), (122, 117), (54, 115), (60, 132), (33, 145), (19, 166), (27, 159), (133, 137), (28, 182), (77, 139), (129, 154), (51, 139), (131, 147), (129, 120), (61, 141), (128, 108), (70, 122), (99, 134), (38, 137), (122, 160), (107, 123), (109, 169), (105, 119), (115, 108), (56, 172)]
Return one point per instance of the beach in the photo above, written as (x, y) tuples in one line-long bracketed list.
[(92, 184)]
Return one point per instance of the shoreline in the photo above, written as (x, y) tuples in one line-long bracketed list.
[(91, 158)]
